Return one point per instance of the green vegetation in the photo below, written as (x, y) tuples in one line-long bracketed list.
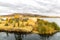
[(11, 21), (55, 26), (45, 27), (6, 24), (0, 22)]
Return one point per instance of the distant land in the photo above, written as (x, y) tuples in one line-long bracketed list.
[(34, 15)]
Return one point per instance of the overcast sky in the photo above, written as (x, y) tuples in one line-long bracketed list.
[(41, 7)]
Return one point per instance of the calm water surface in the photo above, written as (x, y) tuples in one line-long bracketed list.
[(12, 36)]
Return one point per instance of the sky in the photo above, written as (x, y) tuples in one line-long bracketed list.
[(40, 7)]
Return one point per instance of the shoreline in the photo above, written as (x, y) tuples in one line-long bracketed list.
[(16, 32)]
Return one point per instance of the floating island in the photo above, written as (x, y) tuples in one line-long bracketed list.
[(22, 23)]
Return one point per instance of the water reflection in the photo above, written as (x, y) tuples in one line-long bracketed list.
[(14, 36), (19, 36)]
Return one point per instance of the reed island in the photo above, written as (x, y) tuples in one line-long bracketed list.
[(27, 24)]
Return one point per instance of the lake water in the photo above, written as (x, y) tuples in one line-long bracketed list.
[(13, 36)]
